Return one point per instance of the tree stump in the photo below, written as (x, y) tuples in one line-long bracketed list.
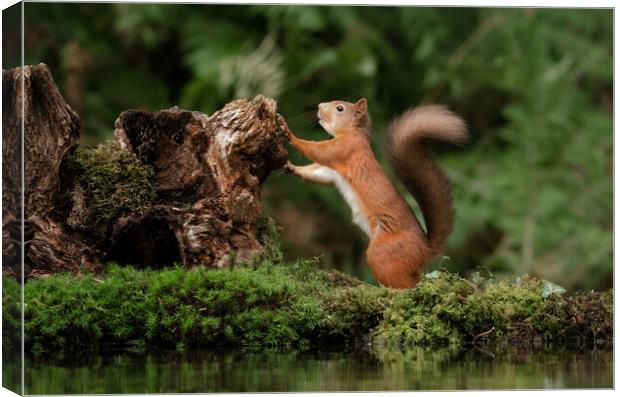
[(207, 177), (51, 130), (11, 173), (207, 172)]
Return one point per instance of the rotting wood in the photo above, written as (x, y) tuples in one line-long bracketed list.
[(207, 173)]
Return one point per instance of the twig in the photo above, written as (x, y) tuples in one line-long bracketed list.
[(485, 333)]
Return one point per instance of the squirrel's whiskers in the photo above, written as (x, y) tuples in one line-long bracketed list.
[(304, 120)]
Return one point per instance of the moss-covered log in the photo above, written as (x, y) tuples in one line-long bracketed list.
[(297, 304), (174, 186)]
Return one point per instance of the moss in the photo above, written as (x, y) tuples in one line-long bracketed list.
[(269, 237), (352, 312), (109, 182), (503, 306), (296, 304), (446, 310), (424, 316), (578, 318), (11, 313)]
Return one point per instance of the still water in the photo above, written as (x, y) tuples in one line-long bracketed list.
[(271, 371)]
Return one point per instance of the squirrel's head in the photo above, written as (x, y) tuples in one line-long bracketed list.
[(337, 117)]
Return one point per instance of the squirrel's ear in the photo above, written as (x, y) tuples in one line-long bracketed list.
[(362, 105)]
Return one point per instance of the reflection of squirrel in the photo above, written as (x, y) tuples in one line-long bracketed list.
[(398, 248)]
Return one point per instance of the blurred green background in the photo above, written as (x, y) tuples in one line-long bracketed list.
[(533, 190)]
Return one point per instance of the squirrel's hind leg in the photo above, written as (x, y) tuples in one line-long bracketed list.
[(395, 261)]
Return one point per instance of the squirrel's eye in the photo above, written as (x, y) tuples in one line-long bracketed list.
[(340, 108)]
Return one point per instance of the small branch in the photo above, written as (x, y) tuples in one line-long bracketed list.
[(485, 333)]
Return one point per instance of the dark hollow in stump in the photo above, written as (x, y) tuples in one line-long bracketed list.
[(207, 172)]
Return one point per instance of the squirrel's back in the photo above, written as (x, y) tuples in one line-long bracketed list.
[(415, 166)]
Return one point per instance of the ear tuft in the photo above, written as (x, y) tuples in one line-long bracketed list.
[(362, 117), (362, 105)]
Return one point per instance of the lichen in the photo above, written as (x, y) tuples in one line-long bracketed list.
[(109, 182)]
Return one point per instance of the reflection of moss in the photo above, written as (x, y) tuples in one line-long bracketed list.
[(296, 304), (108, 182)]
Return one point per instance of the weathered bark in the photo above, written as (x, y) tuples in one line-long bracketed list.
[(51, 130), (11, 174), (207, 176)]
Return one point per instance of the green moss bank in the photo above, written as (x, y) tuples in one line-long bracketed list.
[(295, 304)]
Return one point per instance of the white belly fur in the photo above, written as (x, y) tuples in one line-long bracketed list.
[(350, 196)]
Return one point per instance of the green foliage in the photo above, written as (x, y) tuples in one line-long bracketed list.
[(293, 304), (109, 182), (539, 178), (532, 191), (11, 314)]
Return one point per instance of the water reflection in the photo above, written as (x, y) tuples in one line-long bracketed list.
[(417, 369)]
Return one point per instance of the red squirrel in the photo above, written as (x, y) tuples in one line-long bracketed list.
[(398, 248)]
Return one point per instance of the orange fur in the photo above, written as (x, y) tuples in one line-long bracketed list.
[(398, 249)]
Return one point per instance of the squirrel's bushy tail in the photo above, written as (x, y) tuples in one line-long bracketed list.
[(418, 170)]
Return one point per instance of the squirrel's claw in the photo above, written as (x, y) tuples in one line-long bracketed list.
[(289, 167), (284, 126)]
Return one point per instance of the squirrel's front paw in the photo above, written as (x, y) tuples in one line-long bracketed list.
[(289, 167), (284, 126)]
